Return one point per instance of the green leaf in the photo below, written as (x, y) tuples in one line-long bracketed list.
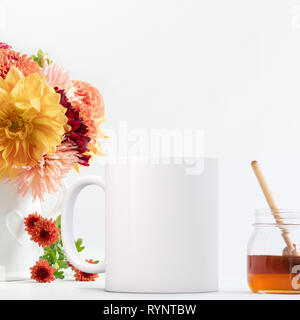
[(50, 254), (78, 245), (62, 264), (59, 274), (42, 58), (56, 266), (58, 222)]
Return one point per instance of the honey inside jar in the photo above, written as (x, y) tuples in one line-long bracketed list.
[(274, 274)]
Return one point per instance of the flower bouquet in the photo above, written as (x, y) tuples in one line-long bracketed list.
[(49, 124)]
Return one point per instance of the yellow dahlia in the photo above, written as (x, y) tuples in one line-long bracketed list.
[(32, 121)]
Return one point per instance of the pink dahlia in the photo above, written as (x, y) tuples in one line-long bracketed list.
[(47, 175), (57, 77)]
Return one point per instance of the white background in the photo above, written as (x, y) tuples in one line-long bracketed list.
[(231, 68)]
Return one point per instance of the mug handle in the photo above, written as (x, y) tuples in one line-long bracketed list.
[(67, 231)]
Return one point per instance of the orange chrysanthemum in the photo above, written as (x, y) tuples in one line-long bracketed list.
[(11, 58), (30, 222), (85, 96), (83, 276), (45, 233), (42, 272)]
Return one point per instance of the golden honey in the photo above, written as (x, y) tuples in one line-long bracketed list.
[(274, 274)]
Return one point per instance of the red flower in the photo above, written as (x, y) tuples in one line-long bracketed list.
[(42, 272), (45, 233), (30, 222), (4, 46), (83, 276), (78, 133)]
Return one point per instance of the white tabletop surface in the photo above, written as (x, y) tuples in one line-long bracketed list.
[(69, 289)]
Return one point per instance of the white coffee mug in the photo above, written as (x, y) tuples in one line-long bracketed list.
[(161, 226)]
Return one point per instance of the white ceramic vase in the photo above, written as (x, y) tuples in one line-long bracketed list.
[(17, 252)]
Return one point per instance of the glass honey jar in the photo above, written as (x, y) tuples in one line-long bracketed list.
[(272, 267)]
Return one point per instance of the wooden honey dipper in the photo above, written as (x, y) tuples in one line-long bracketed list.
[(290, 249)]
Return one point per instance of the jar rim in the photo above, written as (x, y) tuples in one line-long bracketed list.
[(288, 217), (268, 211)]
